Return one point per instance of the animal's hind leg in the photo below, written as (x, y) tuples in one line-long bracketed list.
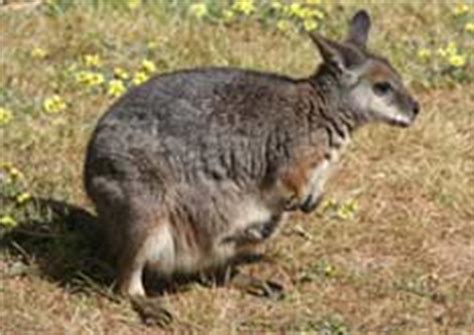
[(129, 235), (131, 264), (152, 249), (146, 244)]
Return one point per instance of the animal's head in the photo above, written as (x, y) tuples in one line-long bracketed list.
[(368, 82)]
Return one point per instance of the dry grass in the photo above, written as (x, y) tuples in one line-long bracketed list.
[(402, 265)]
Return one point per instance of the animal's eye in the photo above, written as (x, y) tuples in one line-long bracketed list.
[(382, 88)]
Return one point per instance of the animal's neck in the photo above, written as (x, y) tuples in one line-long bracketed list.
[(332, 102)]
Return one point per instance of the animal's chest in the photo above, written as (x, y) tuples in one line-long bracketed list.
[(320, 173)]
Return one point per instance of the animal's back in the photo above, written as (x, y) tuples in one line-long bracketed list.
[(201, 121)]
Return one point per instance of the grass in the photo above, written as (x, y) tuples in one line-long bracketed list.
[(397, 260)]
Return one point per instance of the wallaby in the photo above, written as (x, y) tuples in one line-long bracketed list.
[(197, 167)]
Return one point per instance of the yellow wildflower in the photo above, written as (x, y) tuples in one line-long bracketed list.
[(198, 10), (442, 52), (227, 15), (13, 172), (82, 77), (457, 60), (152, 45), (245, 7), (452, 49), (39, 53), (276, 5), (344, 214), (310, 25), (328, 204), (54, 104), (6, 116), (96, 79), (89, 78), (148, 66), (469, 27), (132, 4), (304, 13), (352, 205), (328, 270), (120, 73), (116, 88), (8, 221), (424, 54), (347, 210), (452, 55), (283, 25), (307, 13), (460, 9), (140, 77), (23, 198), (297, 10), (449, 51), (92, 60)]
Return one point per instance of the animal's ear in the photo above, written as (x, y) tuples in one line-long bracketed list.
[(359, 29), (337, 54)]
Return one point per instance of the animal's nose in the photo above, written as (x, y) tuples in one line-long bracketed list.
[(416, 107)]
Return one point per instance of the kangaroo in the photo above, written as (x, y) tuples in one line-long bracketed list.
[(196, 167)]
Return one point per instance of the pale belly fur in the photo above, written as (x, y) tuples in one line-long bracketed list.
[(165, 257)]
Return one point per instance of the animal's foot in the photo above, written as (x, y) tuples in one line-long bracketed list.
[(151, 311), (311, 203), (258, 287), (255, 233)]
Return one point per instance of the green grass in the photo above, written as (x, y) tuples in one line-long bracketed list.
[(399, 263)]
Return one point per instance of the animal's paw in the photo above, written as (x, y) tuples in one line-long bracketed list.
[(254, 233), (293, 203), (258, 287), (310, 203), (151, 311)]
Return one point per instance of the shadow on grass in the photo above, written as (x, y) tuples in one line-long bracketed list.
[(62, 242)]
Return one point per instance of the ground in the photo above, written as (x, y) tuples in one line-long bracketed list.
[(390, 252)]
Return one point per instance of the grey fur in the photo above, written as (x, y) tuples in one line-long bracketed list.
[(206, 162)]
